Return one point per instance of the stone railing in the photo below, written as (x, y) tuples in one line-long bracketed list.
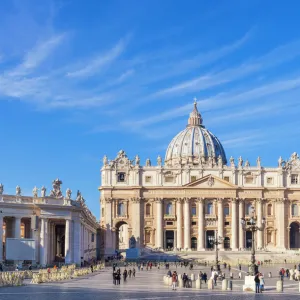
[(11, 278)]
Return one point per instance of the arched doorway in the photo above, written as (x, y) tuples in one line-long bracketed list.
[(294, 236), (226, 242), (194, 243), (122, 236)]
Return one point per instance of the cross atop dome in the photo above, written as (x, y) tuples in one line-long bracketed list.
[(195, 118)]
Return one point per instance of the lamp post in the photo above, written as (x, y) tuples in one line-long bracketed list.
[(252, 226), (216, 240)]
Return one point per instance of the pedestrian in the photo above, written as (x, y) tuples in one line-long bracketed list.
[(92, 268), (119, 277), (139, 267), (174, 281), (261, 282), (240, 267), (205, 277), (257, 282), (240, 275), (129, 273), (231, 275), (215, 278), (185, 280), (229, 268), (270, 275), (125, 275), (114, 277), (133, 272), (169, 273), (287, 273), (29, 268)]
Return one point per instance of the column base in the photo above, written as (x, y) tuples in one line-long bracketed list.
[(235, 249), (201, 249), (222, 249)]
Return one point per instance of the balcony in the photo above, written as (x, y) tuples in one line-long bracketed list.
[(169, 217), (210, 217), (122, 217)]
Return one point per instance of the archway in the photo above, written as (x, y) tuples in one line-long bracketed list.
[(194, 243), (122, 236), (294, 236)]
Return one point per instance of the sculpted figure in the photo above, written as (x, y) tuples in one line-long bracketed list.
[(18, 191), (148, 162), (159, 160), (220, 161), (240, 162), (247, 164), (68, 193), (1, 188), (258, 162), (35, 192), (105, 160), (231, 161), (280, 162), (43, 191), (137, 160), (78, 196)]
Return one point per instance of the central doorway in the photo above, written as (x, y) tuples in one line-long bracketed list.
[(208, 234), (294, 236), (248, 239), (169, 239)]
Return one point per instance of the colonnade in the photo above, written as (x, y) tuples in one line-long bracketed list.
[(183, 208)]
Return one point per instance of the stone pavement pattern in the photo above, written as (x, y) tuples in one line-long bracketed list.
[(147, 285)]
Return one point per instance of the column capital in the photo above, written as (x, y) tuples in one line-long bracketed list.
[(281, 200), (186, 200), (260, 200), (220, 200), (159, 200), (108, 200), (178, 200), (136, 199), (235, 200), (200, 200)]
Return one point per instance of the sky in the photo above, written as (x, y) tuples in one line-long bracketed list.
[(83, 79)]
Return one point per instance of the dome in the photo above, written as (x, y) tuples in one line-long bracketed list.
[(195, 144)]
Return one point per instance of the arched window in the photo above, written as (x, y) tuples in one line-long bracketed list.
[(121, 209), (294, 210), (147, 237), (148, 209), (226, 210), (269, 208), (209, 208), (248, 209), (169, 209)]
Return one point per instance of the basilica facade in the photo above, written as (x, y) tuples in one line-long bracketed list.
[(197, 193)]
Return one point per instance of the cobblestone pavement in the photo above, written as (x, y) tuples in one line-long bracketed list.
[(147, 285)]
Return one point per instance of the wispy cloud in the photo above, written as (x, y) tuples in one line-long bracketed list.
[(99, 62)]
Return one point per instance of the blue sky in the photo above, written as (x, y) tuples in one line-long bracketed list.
[(80, 79)]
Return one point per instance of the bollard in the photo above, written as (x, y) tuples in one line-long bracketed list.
[(165, 279), (198, 284), (229, 286), (210, 284), (192, 277), (180, 282), (224, 284), (169, 281), (279, 286), (193, 284)]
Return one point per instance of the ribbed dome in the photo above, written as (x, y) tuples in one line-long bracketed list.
[(194, 144)]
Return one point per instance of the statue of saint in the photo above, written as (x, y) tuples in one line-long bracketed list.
[(137, 160), (148, 162), (159, 160), (1, 188), (35, 192), (240, 162), (105, 160), (18, 191), (258, 161), (220, 161), (280, 162), (68, 193), (78, 196), (43, 191), (247, 164), (232, 161)]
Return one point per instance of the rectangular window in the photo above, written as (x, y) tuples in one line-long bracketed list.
[(194, 223), (226, 210), (269, 180), (169, 179), (194, 211), (226, 178), (148, 179), (294, 179), (121, 177), (193, 178), (93, 238), (169, 223), (249, 179), (227, 223)]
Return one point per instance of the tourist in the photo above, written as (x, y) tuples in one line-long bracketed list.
[(205, 277), (174, 281), (169, 273), (29, 268), (129, 273), (262, 282), (270, 275), (287, 273), (139, 267), (257, 282), (229, 268), (114, 277), (185, 280), (240, 267), (92, 268), (133, 272), (200, 275), (118, 277), (215, 278), (125, 275)]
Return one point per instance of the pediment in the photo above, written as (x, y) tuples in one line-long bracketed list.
[(210, 181)]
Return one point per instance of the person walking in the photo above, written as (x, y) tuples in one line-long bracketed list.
[(205, 277), (125, 275), (215, 278), (133, 272), (174, 281), (129, 273), (114, 277), (185, 280), (240, 275), (257, 282)]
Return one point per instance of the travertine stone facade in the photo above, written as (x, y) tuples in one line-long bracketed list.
[(64, 230), (195, 194)]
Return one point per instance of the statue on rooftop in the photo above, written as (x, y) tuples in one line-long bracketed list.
[(159, 160), (35, 192), (43, 191), (68, 193), (1, 188), (148, 162), (18, 191)]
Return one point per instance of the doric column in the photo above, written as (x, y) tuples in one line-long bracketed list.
[(76, 244), (234, 225), (259, 224), (220, 221), (281, 227), (179, 223), (68, 248), (108, 228), (136, 218), (159, 229), (241, 230), (43, 241), (1, 238), (200, 244), (17, 227), (187, 224)]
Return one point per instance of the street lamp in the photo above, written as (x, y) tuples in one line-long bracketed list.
[(216, 240), (251, 226)]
